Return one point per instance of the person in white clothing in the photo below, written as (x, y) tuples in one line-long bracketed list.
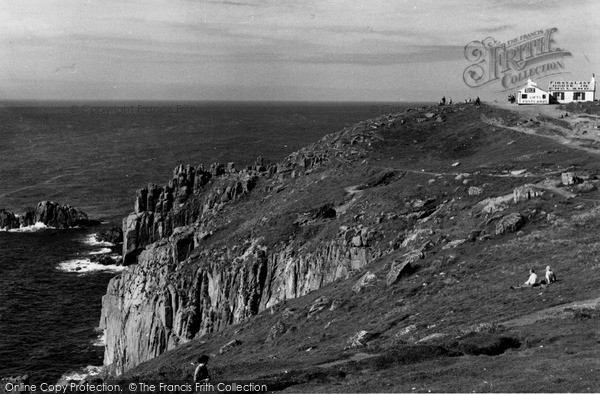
[(532, 281)]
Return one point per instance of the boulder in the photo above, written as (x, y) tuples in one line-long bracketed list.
[(335, 305), (585, 187), (363, 282), (475, 190), (114, 235), (524, 193), (454, 244), (569, 178), (406, 331), (510, 223), (398, 270), (229, 345), (103, 259), (360, 339), (318, 305)]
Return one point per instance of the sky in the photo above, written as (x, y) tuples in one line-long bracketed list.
[(308, 50)]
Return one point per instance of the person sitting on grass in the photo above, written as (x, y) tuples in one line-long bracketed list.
[(531, 282), (201, 373), (550, 275)]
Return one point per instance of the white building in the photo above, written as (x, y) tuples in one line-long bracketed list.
[(572, 91), (531, 94)]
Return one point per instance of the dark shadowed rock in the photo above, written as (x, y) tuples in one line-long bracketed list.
[(8, 219), (327, 211), (114, 235), (398, 270), (60, 216), (49, 213), (104, 259), (510, 223)]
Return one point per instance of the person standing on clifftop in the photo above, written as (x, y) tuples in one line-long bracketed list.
[(201, 373)]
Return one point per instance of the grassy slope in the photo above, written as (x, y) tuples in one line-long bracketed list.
[(451, 290)]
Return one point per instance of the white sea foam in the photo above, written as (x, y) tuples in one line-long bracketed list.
[(84, 266), (90, 370), (102, 251), (29, 229), (91, 240)]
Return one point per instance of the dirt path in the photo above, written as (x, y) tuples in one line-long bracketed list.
[(354, 357), (351, 191), (563, 135), (554, 312)]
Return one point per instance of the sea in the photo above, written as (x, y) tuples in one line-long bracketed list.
[(93, 156)]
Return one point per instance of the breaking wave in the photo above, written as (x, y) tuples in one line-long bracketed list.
[(29, 229), (91, 240), (84, 266)]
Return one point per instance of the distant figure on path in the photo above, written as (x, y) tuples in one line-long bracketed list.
[(443, 100), (450, 101), (201, 373), (531, 282), (477, 102), (550, 275)]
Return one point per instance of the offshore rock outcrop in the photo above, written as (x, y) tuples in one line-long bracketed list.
[(49, 213)]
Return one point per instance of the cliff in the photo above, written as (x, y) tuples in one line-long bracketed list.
[(410, 227), (191, 274)]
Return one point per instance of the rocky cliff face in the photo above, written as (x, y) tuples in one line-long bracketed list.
[(49, 213), (189, 276)]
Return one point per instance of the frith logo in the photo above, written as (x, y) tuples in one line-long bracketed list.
[(532, 55)]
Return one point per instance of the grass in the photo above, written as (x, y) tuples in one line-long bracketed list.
[(461, 293)]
